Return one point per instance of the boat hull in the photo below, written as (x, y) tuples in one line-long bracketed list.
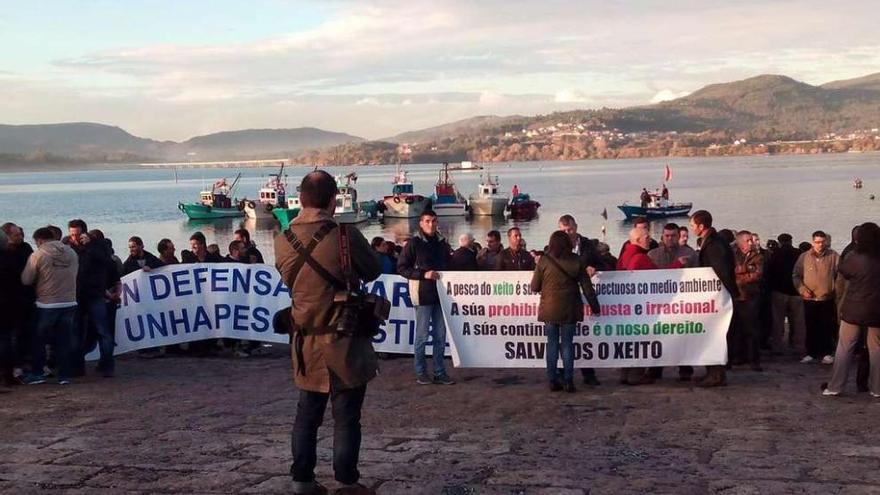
[(285, 215), (198, 211), (257, 210), (404, 207), (450, 209), (673, 210), (350, 217), (488, 206), (524, 210)]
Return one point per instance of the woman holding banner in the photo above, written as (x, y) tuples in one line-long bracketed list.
[(560, 278)]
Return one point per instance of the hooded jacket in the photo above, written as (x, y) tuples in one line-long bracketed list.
[(53, 269), (420, 255)]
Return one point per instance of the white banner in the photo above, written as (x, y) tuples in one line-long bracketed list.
[(648, 318)]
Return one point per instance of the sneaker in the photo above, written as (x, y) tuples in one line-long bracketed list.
[(555, 386), (63, 381), (423, 379), (828, 393), (311, 488), (443, 380), (591, 381), (34, 379), (569, 387), (828, 359), (47, 371), (807, 359), (876, 396)]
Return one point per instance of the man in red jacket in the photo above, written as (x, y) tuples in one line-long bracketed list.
[(635, 257)]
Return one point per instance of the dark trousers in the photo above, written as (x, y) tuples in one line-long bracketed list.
[(821, 323), (744, 338), (5, 354), (346, 405), (55, 327)]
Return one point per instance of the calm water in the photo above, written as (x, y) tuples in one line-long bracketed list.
[(769, 195)]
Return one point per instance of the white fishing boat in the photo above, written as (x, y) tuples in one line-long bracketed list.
[(487, 200), (447, 201), (403, 202), (347, 208), (272, 195)]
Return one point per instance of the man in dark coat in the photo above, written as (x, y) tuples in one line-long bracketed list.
[(20, 311), (423, 255), (786, 301), (464, 259), (198, 252), (138, 258), (717, 254), (328, 365), (250, 249), (514, 257)]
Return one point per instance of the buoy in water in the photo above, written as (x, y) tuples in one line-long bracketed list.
[(871, 197)]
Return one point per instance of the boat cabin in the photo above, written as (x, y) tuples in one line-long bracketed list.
[(402, 189), (271, 196), (346, 199), (215, 200)]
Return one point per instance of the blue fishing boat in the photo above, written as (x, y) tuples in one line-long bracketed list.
[(669, 210)]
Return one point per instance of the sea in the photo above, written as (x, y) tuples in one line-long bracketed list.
[(797, 194)]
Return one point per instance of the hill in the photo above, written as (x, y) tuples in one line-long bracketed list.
[(264, 142), (473, 125)]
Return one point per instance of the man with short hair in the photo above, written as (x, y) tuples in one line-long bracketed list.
[(670, 254), (20, 310), (717, 254), (588, 254), (329, 365), (198, 252), (487, 258), (423, 256), (785, 299), (514, 257), (166, 252), (52, 270), (464, 259), (237, 253), (250, 248), (745, 336), (139, 258), (683, 236), (814, 276)]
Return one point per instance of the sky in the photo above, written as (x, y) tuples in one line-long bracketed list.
[(171, 70)]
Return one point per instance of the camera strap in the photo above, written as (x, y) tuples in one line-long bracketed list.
[(305, 254), (345, 256)]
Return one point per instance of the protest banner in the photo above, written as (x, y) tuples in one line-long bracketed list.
[(648, 318)]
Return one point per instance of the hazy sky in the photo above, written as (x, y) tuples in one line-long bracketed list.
[(176, 69)]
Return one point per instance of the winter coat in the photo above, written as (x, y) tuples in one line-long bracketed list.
[(350, 360), (816, 273), (420, 255), (463, 260), (488, 260), (749, 271), (861, 306), (635, 257), (718, 255), (131, 264), (510, 260), (97, 271), (779, 268), (187, 256), (588, 253), (669, 258), (561, 289), (53, 270)]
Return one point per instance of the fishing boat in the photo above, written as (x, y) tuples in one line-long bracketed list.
[(857, 183), (523, 207), (285, 215), (466, 165), (656, 204), (403, 202), (447, 201), (371, 208), (347, 209), (271, 196), (487, 200), (214, 203)]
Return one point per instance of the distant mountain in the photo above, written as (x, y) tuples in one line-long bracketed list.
[(473, 125), (263, 142), (870, 82), (83, 141)]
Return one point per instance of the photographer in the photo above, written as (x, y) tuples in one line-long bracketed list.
[(329, 364)]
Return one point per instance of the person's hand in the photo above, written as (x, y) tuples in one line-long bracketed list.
[(807, 293), (684, 260), (591, 271), (432, 275), (84, 239)]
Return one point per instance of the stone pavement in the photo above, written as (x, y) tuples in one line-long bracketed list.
[(187, 425)]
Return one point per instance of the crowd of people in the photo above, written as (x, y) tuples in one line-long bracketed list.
[(61, 294), (64, 290)]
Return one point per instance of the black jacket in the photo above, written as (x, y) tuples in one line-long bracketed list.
[(779, 269), (422, 254), (509, 260), (718, 255), (463, 260), (97, 271), (861, 305), (254, 255), (187, 256), (588, 252), (131, 264)]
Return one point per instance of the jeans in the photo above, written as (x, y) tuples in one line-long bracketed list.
[(846, 347), (821, 323), (554, 331), (54, 326), (346, 405), (430, 318), (94, 324), (6, 359)]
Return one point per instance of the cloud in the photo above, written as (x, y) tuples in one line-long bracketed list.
[(570, 96), (668, 94)]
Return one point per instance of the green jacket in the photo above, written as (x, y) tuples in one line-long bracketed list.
[(561, 290)]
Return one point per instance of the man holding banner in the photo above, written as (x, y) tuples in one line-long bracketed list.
[(330, 362)]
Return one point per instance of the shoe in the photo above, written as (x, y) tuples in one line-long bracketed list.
[(34, 379), (423, 379), (860, 388), (876, 396), (591, 381), (63, 381), (555, 386), (107, 374), (443, 380), (828, 359), (47, 371), (807, 359), (569, 387), (828, 393), (713, 379), (642, 380), (355, 489), (314, 488)]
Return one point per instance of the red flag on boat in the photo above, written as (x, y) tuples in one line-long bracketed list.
[(668, 175)]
